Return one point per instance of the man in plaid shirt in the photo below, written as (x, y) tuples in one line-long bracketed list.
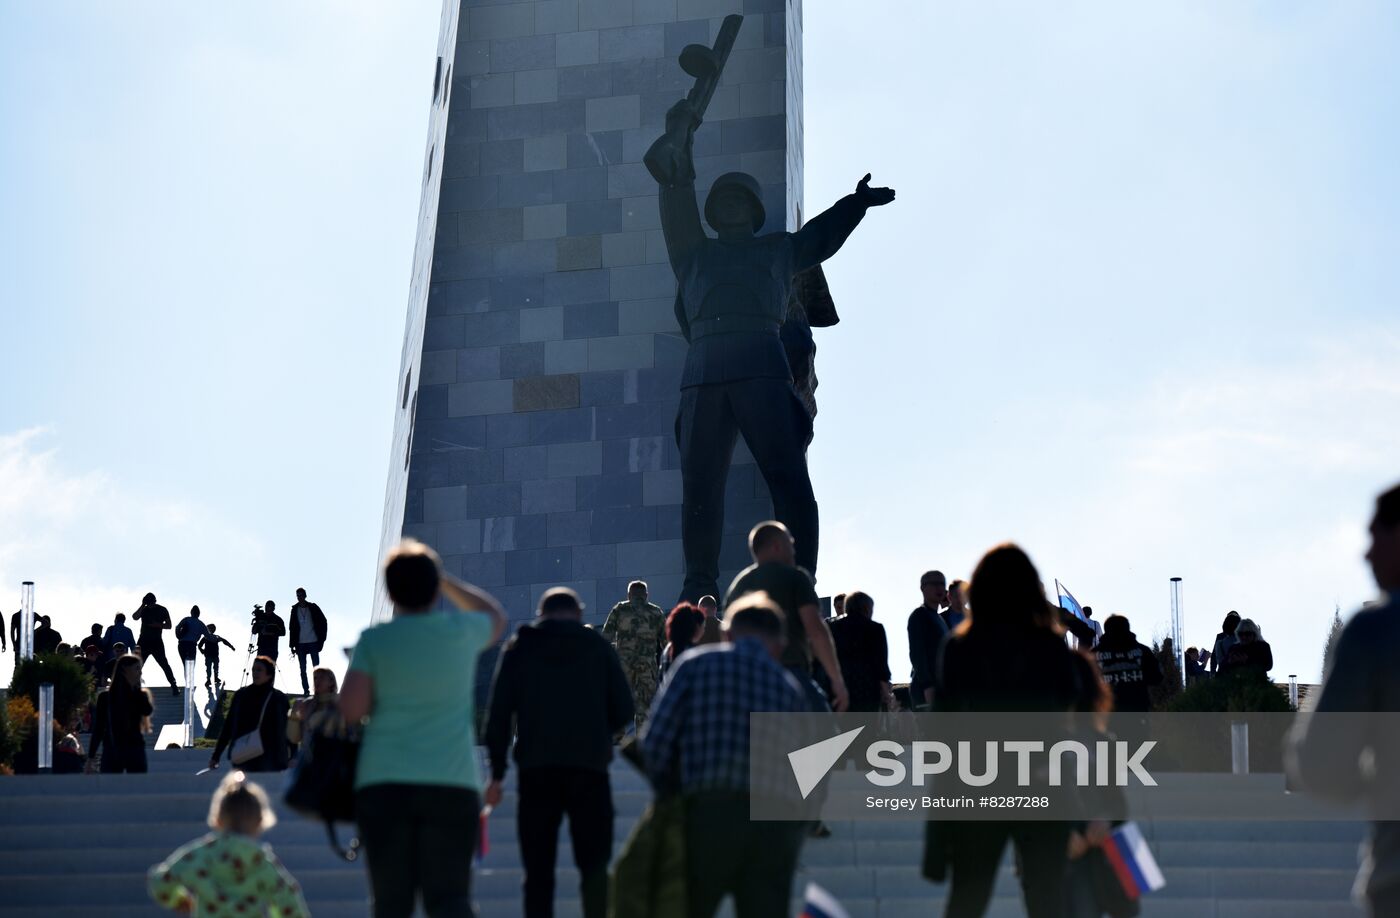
[(697, 741)]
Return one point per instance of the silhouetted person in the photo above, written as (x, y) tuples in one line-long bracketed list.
[(1251, 653), (417, 790), (270, 629), (1341, 753), (864, 654), (155, 621), (189, 633), (927, 630), (121, 719), (308, 635), (731, 304), (92, 640), (117, 633), (91, 661), (838, 606), (710, 606), (637, 629), (1224, 640), (209, 646), (957, 605), (560, 688), (1195, 670), (1129, 667), (684, 628), (46, 637), (1010, 656), (1093, 623), (699, 731), (12, 632), (775, 571), (257, 708)]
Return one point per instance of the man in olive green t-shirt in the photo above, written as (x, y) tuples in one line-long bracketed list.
[(776, 573)]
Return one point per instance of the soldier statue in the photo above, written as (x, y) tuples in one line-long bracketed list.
[(732, 301), (637, 631)]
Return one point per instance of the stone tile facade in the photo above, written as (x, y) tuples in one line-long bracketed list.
[(534, 435)]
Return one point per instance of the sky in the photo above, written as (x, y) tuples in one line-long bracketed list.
[(1134, 307)]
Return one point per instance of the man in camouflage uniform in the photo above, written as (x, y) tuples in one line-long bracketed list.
[(637, 630)]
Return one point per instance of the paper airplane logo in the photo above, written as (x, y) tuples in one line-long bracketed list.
[(811, 763)]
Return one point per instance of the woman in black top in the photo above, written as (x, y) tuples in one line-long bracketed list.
[(1009, 655), (257, 707), (121, 720)]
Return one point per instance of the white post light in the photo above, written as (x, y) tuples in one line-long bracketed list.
[(1239, 747), (1293, 690), (26, 620), (189, 704), (45, 727), (1177, 649)]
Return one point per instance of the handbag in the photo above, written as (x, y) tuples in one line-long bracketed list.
[(250, 745), (323, 783)]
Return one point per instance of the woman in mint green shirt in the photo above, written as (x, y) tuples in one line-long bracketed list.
[(417, 785)]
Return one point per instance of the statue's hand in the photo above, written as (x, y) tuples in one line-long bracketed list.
[(681, 117), (873, 197)]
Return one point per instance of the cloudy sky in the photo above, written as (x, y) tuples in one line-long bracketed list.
[(1135, 306)]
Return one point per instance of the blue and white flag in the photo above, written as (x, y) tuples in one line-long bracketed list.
[(1067, 601), (821, 904)]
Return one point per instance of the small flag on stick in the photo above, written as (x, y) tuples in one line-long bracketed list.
[(821, 904), (1132, 861)]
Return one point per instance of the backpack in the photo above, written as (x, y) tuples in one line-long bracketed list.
[(323, 783)]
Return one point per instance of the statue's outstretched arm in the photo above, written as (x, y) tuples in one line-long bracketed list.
[(674, 160), (825, 233)]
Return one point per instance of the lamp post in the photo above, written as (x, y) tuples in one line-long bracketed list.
[(26, 620), (1176, 627)]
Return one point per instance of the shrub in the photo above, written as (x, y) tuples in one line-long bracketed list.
[(72, 688), (13, 718), (1238, 692)]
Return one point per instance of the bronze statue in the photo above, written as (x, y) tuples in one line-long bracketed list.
[(733, 298)]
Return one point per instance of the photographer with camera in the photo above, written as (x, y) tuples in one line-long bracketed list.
[(269, 628)]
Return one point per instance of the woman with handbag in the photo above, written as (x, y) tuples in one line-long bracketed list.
[(121, 719), (255, 731)]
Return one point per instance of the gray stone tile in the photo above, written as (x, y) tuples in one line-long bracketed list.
[(640, 420), (545, 153), (687, 32), (637, 317), (532, 531), (587, 184), (590, 217), (459, 537), (468, 399), (604, 14), (623, 352), (661, 487), (534, 256), (545, 221), (562, 117), (496, 499), (649, 11), (656, 248), (570, 528), (576, 286), (640, 213), (440, 468), (756, 65), (596, 492), (525, 463), (564, 426), (431, 402), (470, 193), (484, 227), (656, 559), (600, 149), (588, 81), (592, 562), (450, 433), (542, 393), (624, 249), (579, 253), (535, 52), (492, 90), (475, 364), (545, 323), (533, 86), (520, 360), (576, 48), (723, 106), (504, 430), (631, 43), (498, 533), (748, 135), (437, 368), (600, 389), (565, 356), (515, 121), (707, 9), (547, 565), (427, 533), (460, 160), (668, 522), (624, 524), (613, 113), (444, 503), (517, 292), (469, 125), (450, 298), (547, 495), (528, 189), (471, 58), (569, 460), (485, 570), (591, 320), (768, 166), (553, 16), (642, 282), (444, 333), (487, 328), (630, 180), (507, 21), (756, 99)]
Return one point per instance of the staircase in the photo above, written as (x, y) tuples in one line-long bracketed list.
[(76, 845)]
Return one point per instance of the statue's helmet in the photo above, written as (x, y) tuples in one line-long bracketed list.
[(741, 181)]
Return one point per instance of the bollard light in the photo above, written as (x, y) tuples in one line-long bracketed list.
[(46, 727), (26, 620), (188, 740), (1239, 747)]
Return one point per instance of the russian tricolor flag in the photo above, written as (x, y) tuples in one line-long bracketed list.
[(821, 904), (1132, 861)]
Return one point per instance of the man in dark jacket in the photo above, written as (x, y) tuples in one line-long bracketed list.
[(92, 640), (926, 633), (562, 688), (864, 654), (46, 638), (155, 621), (269, 628), (117, 633), (1129, 667), (1349, 749), (308, 636)]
